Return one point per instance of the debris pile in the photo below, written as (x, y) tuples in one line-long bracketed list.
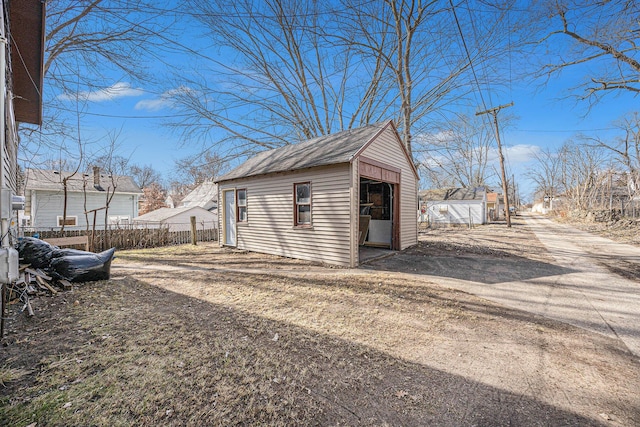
[(47, 269)]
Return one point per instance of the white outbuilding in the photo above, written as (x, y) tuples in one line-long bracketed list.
[(323, 199)]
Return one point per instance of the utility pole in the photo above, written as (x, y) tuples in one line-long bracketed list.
[(505, 188)]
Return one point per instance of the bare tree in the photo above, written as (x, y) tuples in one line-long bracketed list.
[(605, 36), (582, 173), (195, 169), (300, 69), (145, 175), (94, 48), (459, 155), (546, 173), (625, 150)]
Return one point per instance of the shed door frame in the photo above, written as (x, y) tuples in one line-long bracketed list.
[(373, 169), (229, 229)]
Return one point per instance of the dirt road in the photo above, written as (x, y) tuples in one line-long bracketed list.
[(580, 284)]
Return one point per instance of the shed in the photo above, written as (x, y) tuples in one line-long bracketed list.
[(455, 205), (177, 219), (320, 200)]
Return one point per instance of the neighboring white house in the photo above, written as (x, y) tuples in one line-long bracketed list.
[(321, 199), (178, 219), (455, 206), (204, 195), (44, 199)]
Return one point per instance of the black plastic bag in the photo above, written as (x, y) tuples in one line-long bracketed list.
[(35, 252), (85, 267)]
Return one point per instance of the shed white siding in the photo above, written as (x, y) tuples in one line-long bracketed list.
[(270, 209), (386, 149), (456, 212), (46, 206)]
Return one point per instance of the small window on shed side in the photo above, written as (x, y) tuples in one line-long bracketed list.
[(241, 205), (302, 204)]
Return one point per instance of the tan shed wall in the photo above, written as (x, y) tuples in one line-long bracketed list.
[(385, 148), (270, 229)]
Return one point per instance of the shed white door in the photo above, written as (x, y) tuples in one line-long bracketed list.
[(229, 217)]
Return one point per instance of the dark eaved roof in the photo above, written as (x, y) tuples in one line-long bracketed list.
[(453, 194), (321, 151), (39, 179)]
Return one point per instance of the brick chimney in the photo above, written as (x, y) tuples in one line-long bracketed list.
[(96, 178)]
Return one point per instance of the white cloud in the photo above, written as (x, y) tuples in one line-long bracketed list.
[(521, 153), (166, 100), (117, 90)]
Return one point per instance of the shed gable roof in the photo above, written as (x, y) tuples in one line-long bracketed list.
[(41, 179), (453, 194), (325, 150)]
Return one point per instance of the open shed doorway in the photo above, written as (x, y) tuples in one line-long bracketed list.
[(377, 228)]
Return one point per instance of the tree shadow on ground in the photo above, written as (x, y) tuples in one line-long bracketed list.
[(458, 262), (221, 365)]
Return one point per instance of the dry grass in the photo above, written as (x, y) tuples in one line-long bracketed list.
[(234, 338)]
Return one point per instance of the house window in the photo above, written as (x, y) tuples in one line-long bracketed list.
[(241, 205), (302, 204), (70, 221)]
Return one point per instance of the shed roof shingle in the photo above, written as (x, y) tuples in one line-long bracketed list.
[(321, 151), (453, 194), (40, 179)]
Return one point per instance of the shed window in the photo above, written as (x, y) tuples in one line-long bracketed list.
[(70, 220), (241, 205), (302, 209)]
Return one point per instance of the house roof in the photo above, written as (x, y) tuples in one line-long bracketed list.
[(27, 18), (325, 150), (204, 193), (40, 179), (163, 214), (453, 194)]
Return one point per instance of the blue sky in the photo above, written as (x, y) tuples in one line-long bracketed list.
[(545, 117)]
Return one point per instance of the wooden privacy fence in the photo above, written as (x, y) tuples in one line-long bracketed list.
[(131, 237)]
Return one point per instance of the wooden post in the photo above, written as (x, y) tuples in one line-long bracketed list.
[(3, 295), (194, 239), (505, 187)]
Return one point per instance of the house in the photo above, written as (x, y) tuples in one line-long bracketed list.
[(321, 199), (177, 219), (455, 205), (21, 76), (493, 207), (44, 198), (204, 195)]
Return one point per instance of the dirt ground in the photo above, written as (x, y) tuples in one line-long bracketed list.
[(208, 336)]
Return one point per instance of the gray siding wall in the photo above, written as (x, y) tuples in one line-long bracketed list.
[(46, 206), (270, 210), (386, 149)]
